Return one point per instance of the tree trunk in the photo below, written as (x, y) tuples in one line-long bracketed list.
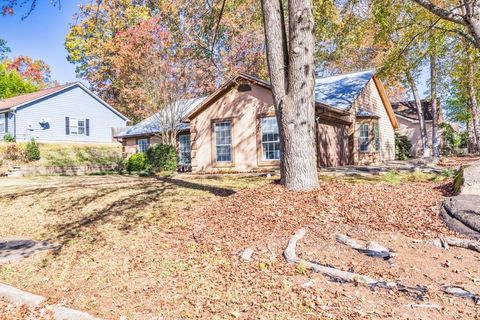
[(472, 139), (472, 17), (472, 99), (435, 114), (292, 75), (421, 117)]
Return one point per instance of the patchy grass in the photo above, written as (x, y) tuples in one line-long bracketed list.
[(74, 154), (390, 177), (166, 247), (120, 236)]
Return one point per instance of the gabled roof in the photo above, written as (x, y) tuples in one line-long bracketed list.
[(6, 104), (335, 94), (25, 99), (151, 125), (325, 90), (341, 91), (408, 109)]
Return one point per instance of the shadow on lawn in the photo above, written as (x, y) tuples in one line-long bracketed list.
[(129, 207), (216, 191)]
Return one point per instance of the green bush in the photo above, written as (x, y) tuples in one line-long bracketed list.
[(163, 157), (136, 163), (8, 137), (402, 147), (32, 151), (452, 140)]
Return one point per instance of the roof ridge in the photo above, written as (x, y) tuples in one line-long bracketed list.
[(347, 74)]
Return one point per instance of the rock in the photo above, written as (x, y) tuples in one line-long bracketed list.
[(247, 254)]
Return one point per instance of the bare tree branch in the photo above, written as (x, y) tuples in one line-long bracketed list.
[(441, 12)]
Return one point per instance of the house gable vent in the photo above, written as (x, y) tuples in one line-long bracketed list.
[(244, 87)]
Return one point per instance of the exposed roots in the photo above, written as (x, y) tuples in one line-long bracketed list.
[(456, 242), (372, 248), (290, 255)]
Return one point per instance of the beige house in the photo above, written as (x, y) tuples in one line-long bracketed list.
[(235, 128), (409, 125)]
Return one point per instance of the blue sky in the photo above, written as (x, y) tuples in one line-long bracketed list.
[(41, 35)]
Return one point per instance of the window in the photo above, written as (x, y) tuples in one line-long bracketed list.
[(376, 132), (270, 139), (223, 141), (3, 123), (185, 149), (364, 139), (77, 127), (81, 127), (142, 145)]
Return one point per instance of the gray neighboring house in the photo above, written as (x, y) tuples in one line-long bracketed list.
[(67, 113)]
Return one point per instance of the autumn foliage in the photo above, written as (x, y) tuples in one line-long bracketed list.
[(134, 54)]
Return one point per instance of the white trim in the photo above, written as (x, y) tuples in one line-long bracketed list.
[(411, 120), (77, 127), (147, 144), (79, 84)]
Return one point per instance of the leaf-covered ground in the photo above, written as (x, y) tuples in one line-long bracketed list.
[(168, 248)]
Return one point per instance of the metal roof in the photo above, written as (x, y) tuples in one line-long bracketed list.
[(151, 125), (341, 91)]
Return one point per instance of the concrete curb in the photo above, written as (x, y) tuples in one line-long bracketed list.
[(19, 297), (63, 313)]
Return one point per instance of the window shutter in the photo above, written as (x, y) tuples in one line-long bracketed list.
[(87, 127), (67, 126), (6, 122)]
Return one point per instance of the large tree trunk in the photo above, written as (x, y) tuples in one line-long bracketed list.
[(435, 107), (472, 102), (292, 74), (421, 117)]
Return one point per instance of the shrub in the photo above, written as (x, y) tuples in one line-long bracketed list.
[(32, 151), (8, 137), (137, 162), (13, 152), (392, 177), (163, 157), (452, 140), (402, 147)]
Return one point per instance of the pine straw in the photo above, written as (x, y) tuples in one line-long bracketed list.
[(268, 212)]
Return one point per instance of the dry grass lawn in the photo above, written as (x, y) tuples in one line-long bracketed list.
[(166, 248)]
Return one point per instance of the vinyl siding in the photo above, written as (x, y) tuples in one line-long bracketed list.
[(370, 100), (412, 131), (74, 103)]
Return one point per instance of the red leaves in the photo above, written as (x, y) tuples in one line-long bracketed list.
[(271, 211)]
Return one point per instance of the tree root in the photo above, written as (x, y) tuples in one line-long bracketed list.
[(372, 249), (456, 242), (462, 293), (290, 255)]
